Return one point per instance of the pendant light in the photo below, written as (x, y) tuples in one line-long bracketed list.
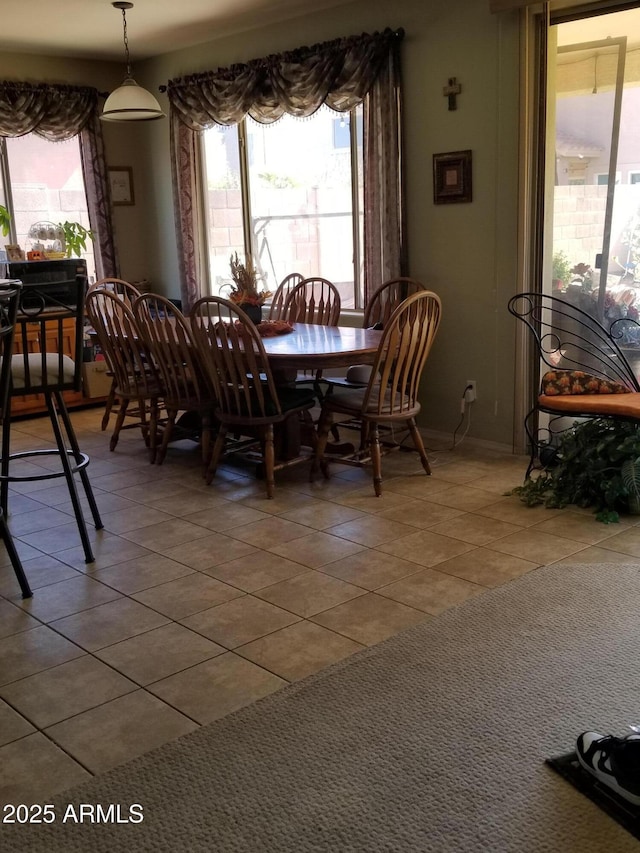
[(130, 102)]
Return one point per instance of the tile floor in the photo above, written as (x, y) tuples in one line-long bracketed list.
[(204, 599)]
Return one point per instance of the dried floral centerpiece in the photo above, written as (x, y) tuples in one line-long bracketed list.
[(245, 279)]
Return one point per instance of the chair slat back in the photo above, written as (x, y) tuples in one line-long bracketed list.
[(402, 353), (121, 343), (44, 333), (127, 292), (167, 336), (234, 353), (569, 338), (313, 300), (280, 296), (386, 298)]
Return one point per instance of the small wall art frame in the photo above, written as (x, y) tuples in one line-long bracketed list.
[(452, 177), (121, 185)]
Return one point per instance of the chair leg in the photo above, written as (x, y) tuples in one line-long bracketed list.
[(108, 406), (4, 463), (153, 429), (269, 459), (418, 444), (376, 459), (319, 462), (7, 538), (122, 411), (58, 412), (217, 453), (166, 436)]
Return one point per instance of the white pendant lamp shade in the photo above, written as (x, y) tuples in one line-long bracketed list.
[(130, 102)]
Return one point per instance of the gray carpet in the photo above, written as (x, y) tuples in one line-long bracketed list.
[(432, 741)]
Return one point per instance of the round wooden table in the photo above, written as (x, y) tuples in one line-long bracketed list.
[(311, 347)]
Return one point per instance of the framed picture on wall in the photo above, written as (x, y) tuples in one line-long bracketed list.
[(121, 184), (452, 177)]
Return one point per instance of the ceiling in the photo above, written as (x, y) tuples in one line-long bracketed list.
[(93, 28)]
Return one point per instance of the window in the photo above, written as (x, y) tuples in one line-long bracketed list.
[(294, 202), (634, 177), (43, 183)]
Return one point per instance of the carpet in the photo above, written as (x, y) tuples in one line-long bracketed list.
[(433, 741)]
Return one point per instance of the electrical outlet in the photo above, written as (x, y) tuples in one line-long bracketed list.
[(470, 394)]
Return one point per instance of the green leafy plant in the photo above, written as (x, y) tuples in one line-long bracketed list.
[(75, 237), (561, 267), (597, 464), (5, 220)]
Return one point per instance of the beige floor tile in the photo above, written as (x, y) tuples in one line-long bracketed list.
[(369, 619), (213, 549), (317, 550), (41, 571), (107, 502), (366, 500), (541, 548), (322, 515), (299, 650), (595, 554), (431, 591), (170, 534), (418, 485), (129, 726), (31, 522), (371, 530), (310, 593), (158, 653), (184, 502), (256, 570), (225, 515), (625, 542), (271, 531), (14, 619), (370, 569), (240, 621), (185, 596), (34, 769), (108, 624), (475, 529), (12, 724), (109, 551), (32, 651), (130, 483), (487, 568), (145, 572), (460, 472), (421, 514), (425, 548), (125, 520), (284, 500), (67, 597), (465, 498), (25, 552), (582, 528), (58, 539), (514, 511), (217, 687), (65, 690)]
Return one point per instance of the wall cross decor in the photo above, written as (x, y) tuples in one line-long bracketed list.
[(451, 91)]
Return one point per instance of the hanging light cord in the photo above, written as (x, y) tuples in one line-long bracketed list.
[(126, 42)]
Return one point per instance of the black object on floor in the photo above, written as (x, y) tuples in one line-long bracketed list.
[(609, 801)]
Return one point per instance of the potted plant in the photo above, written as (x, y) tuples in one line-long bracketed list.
[(561, 270), (75, 238), (5, 220), (596, 464), (245, 291)]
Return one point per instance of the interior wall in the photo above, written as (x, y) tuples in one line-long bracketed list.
[(466, 252)]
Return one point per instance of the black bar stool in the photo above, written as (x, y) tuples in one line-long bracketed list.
[(9, 297), (39, 366)]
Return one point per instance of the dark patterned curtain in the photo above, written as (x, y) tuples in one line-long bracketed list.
[(342, 74), (59, 112)]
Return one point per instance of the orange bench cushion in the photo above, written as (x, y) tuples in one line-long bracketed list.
[(625, 405), (562, 382)]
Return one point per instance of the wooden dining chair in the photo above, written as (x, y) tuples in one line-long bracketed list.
[(247, 399), (134, 376), (391, 395), (128, 293), (313, 300), (184, 384), (282, 292)]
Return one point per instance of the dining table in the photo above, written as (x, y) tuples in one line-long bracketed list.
[(313, 347)]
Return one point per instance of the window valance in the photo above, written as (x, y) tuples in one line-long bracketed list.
[(339, 73), (53, 111)]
